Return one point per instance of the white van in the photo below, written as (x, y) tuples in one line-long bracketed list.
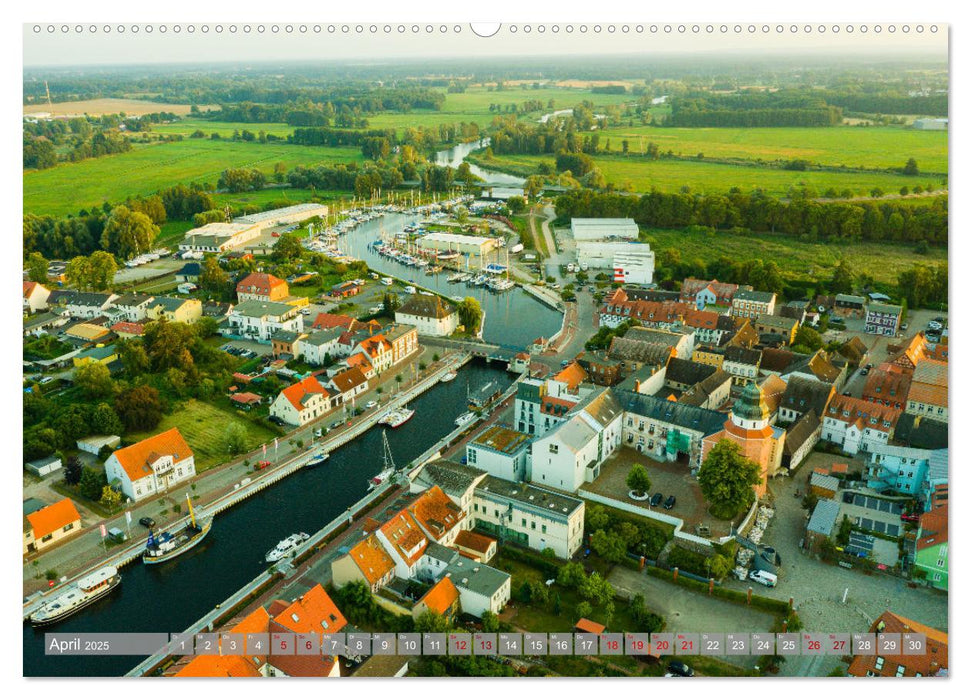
[(763, 577), (571, 268)]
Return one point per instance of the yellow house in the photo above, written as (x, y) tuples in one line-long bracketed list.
[(102, 354), (709, 356), (46, 527), (172, 309)]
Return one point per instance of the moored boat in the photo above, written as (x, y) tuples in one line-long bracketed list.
[(80, 594), (318, 459), (464, 419), (286, 547), (165, 546), (397, 417), (448, 376)]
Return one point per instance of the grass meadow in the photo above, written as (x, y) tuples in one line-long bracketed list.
[(70, 187)]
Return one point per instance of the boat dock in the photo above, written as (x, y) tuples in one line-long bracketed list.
[(266, 479)]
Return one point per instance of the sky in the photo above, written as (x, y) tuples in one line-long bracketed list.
[(43, 47)]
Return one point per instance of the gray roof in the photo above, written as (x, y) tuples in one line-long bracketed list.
[(88, 299), (41, 319), (453, 478), (638, 351), (426, 307), (309, 208), (803, 394), (534, 497), (891, 309), (937, 466), (602, 408), (393, 331), (824, 481), (529, 390), (754, 295), (32, 505), (261, 308), (921, 431), (702, 420), (745, 356), (324, 336), (654, 335), (169, 303), (440, 552), (574, 433), (478, 578), (700, 392), (824, 517), (800, 431), (132, 299), (687, 372), (285, 336), (777, 321), (43, 462)]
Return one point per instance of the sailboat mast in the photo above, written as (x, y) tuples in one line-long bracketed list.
[(388, 458), (192, 514)]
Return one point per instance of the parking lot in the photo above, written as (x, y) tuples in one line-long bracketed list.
[(668, 479)]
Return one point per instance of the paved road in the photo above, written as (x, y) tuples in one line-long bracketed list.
[(818, 588)]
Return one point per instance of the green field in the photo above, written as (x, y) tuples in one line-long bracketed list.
[(640, 175), (225, 129), (797, 259), (852, 147), (67, 188), (204, 428)]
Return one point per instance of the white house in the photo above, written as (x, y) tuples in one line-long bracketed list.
[(89, 304), (35, 297), (315, 348), (302, 402), (347, 385), (529, 516), (152, 466), (431, 315), (572, 452), (131, 307), (857, 425), (259, 320), (378, 351), (501, 452)]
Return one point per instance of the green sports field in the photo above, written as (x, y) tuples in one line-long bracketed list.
[(69, 187)]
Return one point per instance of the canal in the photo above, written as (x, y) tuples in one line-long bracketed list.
[(513, 319), (169, 597)]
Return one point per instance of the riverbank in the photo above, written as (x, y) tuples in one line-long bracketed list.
[(219, 489)]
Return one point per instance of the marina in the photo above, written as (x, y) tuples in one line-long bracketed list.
[(84, 592)]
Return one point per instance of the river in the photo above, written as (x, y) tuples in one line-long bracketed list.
[(170, 597)]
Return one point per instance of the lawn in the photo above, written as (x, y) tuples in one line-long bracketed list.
[(641, 175), (224, 129), (70, 187), (203, 425), (853, 147), (798, 260)]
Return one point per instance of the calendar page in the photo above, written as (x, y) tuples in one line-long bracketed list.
[(423, 348)]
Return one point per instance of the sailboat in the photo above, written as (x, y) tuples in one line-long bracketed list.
[(388, 471), (166, 545)]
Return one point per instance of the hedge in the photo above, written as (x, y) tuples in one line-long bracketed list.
[(773, 605), (549, 567)]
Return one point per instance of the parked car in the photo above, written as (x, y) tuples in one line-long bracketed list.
[(656, 499), (319, 432), (763, 577), (864, 372), (336, 424), (275, 234), (146, 522), (910, 517), (46, 380), (680, 668), (276, 420), (262, 464), (669, 503), (371, 404), (935, 326)]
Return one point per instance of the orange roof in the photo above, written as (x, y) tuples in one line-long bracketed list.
[(137, 459), (214, 666), (53, 517), (375, 345), (348, 379), (371, 559), (929, 383), (550, 401), (861, 412), (129, 327), (324, 321), (441, 597), (295, 393), (246, 397), (701, 319), (29, 288), (572, 375), (436, 513), (932, 662), (585, 625), (314, 611), (839, 468), (473, 541), (263, 284), (360, 360), (405, 536), (933, 527)]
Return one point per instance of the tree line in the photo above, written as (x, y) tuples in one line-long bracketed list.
[(758, 212), (752, 109)]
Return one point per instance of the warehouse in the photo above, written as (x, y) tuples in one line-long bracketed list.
[(218, 237), (287, 215), (632, 263), (467, 245), (603, 229)]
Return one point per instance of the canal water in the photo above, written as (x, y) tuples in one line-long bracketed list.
[(454, 157), (171, 596), (513, 319)]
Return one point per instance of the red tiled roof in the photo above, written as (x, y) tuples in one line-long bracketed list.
[(585, 625), (369, 556), (572, 375), (263, 284), (314, 611), (325, 321), (473, 541), (928, 664), (136, 459), (436, 512), (246, 397), (933, 527), (129, 327), (405, 536)]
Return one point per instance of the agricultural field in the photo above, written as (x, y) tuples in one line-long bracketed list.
[(108, 105), (852, 147), (69, 187), (797, 259), (225, 129), (203, 426), (672, 175)]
